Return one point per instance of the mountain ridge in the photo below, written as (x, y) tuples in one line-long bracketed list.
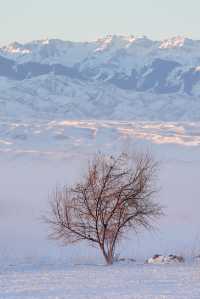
[(122, 77)]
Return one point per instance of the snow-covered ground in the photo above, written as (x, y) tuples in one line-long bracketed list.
[(101, 282), (35, 156)]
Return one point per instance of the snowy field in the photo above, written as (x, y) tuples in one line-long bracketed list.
[(101, 282), (37, 156)]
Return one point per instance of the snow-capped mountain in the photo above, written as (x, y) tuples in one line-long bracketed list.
[(116, 77)]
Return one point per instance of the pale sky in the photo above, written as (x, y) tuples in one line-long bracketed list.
[(25, 20)]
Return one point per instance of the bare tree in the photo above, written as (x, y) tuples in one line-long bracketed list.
[(115, 196)]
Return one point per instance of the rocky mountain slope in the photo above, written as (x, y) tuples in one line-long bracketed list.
[(116, 77)]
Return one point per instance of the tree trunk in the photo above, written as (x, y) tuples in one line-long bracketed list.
[(107, 256)]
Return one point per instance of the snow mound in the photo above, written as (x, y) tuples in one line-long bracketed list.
[(168, 259), (125, 260)]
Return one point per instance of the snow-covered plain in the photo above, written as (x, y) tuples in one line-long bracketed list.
[(101, 282), (38, 155)]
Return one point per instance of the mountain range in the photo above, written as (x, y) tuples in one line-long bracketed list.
[(115, 77)]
